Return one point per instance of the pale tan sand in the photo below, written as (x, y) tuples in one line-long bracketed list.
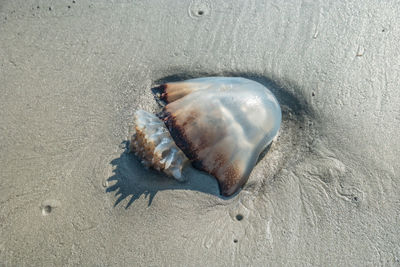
[(327, 192)]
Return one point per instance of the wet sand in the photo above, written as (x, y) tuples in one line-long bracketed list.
[(73, 73)]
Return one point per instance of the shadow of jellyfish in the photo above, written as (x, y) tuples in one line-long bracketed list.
[(131, 179)]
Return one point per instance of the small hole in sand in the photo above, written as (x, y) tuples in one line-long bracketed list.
[(69, 6), (239, 217), (200, 12), (235, 240), (46, 210), (355, 198)]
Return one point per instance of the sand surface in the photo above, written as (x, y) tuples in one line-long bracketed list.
[(72, 73)]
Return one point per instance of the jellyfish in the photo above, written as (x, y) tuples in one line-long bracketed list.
[(219, 125)]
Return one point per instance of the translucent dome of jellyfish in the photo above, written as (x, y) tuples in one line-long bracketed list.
[(219, 125)]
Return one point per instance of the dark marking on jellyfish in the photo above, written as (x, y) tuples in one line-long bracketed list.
[(228, 175), (164, 97), (230, 180), (178, 134), (160, 94), (220, 160)]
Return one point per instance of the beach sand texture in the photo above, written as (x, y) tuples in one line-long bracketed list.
[(72, 74)]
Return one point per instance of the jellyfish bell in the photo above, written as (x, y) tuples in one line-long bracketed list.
[(218, 124)]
